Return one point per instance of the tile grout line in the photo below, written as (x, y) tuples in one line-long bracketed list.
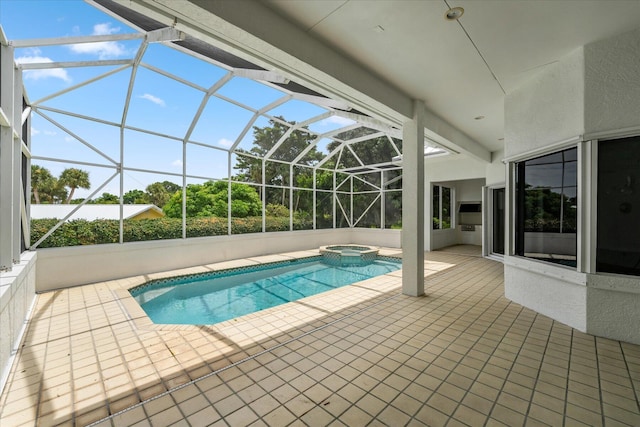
[(633, 387), (597, 358), (462, 315), (539, 369), (566, 395), (497, 316), (234, 364)]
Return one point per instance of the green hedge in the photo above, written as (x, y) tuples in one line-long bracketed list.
[(83, 232)]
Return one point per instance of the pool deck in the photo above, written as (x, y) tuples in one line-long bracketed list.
[(363, 354)]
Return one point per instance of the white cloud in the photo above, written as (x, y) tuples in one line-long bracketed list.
[(104, 29), (177, 163), (69, 139), (225, 142), (153, 99), (50, 132), (342, 121), (34, 131), (33, 57), (104, 50)]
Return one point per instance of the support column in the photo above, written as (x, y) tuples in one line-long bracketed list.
[(413, 202), (8, 232)]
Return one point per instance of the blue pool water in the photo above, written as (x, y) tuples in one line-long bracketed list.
[(204, 300)]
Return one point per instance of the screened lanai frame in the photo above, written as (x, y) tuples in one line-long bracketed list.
[(345, 177)]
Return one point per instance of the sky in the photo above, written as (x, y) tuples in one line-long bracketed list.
[(158, 103)]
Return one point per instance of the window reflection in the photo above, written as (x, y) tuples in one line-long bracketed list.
[(546, 210), (618, 240)]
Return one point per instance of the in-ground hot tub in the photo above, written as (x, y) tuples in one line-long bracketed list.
[(349, 254)]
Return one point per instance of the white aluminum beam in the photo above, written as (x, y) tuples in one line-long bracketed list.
[(263, 75), (76, 86), (56, 41), (74, 210), (246, 30), (73, 64), (257, 114), (167, 34), (18, 196), (80, 139)]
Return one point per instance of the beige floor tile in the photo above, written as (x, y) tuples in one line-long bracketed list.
[(459, 356)]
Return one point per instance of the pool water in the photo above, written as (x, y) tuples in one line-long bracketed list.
[(204, 301)]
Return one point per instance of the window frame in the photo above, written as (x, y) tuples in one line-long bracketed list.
[(437, 213), (595, 266), (517, 204)]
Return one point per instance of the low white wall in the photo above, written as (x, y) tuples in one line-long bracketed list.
[(613, 307), (17, 294), (603, 305), (442, 238), (64, 267), (375, 237), (469, 237), (557, 292)]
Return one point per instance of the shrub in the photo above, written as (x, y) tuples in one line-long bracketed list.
[(83, 232)]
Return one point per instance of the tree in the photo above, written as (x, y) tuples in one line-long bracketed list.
[(107, 199), (276, 173), (133, 197), (45, 187), (210, 199), (159, 193), (74, 178), (40, 178)]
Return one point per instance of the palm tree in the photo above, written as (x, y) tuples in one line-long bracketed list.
[(40, 178), (74, 178)]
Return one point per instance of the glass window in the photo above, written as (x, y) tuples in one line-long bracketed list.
[(547, 207), (618, 229), (441, 207)]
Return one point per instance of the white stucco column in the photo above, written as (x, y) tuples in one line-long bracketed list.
[(413, 202)]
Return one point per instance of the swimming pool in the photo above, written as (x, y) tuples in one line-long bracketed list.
[(218, 296)]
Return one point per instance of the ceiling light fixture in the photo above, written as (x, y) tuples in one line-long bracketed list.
[(454, 14)]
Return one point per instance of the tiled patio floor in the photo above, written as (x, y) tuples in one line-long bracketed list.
[(359, 355)]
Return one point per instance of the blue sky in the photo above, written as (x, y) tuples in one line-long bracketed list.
[(157, 103)]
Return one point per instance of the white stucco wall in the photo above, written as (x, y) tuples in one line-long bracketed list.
[(613, 307), (593, 90), (17, 294), (612, 83), (494, 171), (564, 298), (77, 265), (469, 190), (453, 168), (548, 109)]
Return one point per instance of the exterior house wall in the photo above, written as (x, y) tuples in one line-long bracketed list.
[(465, 175), (612, 84), (148, 214), (494, 171), (591, 92), (548, 109), (17, 295)]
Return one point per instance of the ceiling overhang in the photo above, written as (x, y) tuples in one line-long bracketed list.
[(245, 29)]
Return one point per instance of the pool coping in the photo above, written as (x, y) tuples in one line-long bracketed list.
[(134, 312)]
